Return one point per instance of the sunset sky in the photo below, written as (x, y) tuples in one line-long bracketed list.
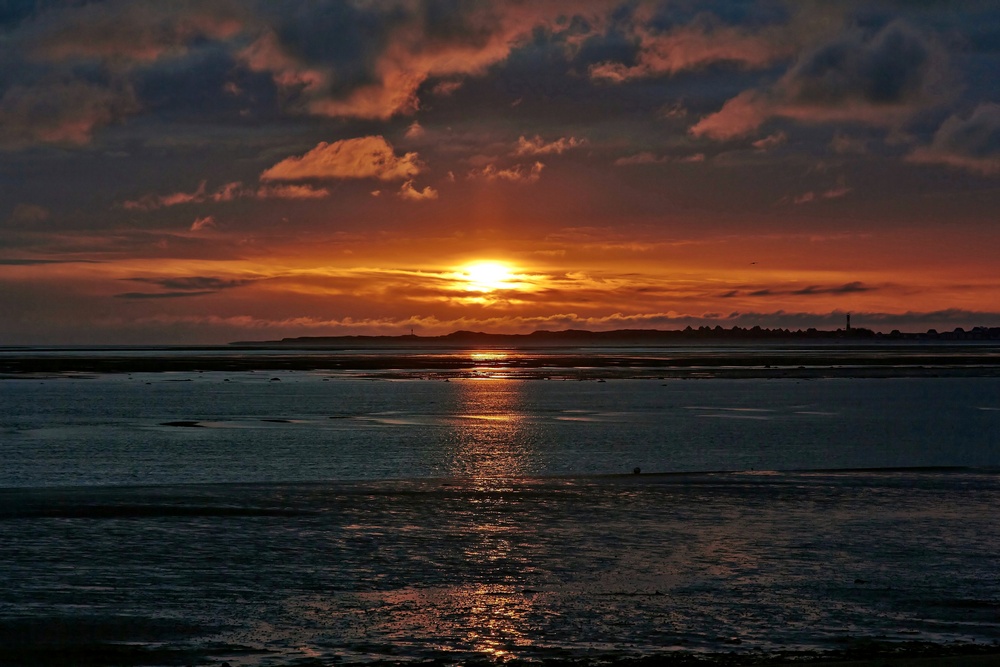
[(202, 172)]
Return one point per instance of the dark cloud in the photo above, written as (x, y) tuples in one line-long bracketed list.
[(700, 44), (948, 317), (971, 143), (179, 287), (196, 283), (849, 288), (161, 295), (61, 111), (74, 68), (811, 290), (36, 262), (29, 214), (879, 77), (890, 66)]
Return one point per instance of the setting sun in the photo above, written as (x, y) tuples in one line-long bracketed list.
[(487, 276)]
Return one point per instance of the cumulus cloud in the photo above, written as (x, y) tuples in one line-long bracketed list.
[(351, 60), (75, 67), (518, 173), (267, 55), (538, 146), (874, 77), (409, 192), (889, 67), (415, 131), (971, 143), (411, 44), (363, 157)]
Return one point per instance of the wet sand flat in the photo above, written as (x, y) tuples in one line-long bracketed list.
[(717, 569)]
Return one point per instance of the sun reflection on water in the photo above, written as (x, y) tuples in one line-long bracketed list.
[(493, 363), (492, 440), (497, 618), (494, 445), (487, 357), (479, 595)]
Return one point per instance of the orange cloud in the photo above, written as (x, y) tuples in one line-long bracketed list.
[(201, 224), (289, 191), (153, 202), (411, 58), (538, 146), (407, 191), (695, 46), (518, 173), (266, 55), (415, 131), (739, 116), (416, 51), (770, 141), (364, 157), (836, 192)]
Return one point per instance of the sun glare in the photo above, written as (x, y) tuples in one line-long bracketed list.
[(487, 276)]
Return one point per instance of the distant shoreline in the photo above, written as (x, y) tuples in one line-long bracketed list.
[(630, 337)]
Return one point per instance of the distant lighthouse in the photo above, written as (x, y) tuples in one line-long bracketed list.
[(848, 323)]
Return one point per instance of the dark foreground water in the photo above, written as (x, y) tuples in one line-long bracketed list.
[(202, 518)]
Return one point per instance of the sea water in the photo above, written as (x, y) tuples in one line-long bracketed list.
[(270, 518), (173, 428)]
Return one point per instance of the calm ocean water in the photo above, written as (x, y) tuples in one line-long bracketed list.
[(268, 518)]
